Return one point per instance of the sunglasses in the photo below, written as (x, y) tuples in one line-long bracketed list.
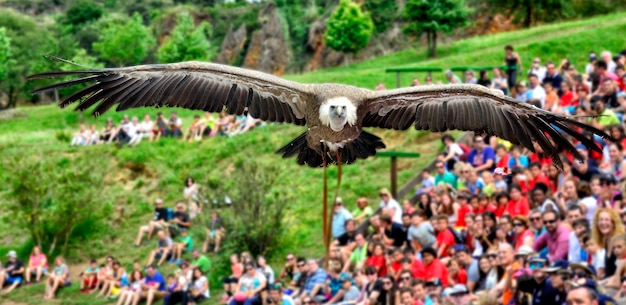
[(518, 224), (579, 275), (535, 218), (381, 194), (464, 172), (549, 222), (300, 265), (534, 266), (405, 278), (492, 255)]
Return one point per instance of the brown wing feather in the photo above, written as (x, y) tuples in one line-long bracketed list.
[(474, 108), (192, 85)]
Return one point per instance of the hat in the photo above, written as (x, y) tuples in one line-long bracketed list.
[(557, 266), (12, 253), (433, 282), (500, 171), (588, 283), (608, 178), (455, 290), (538, 259), (581, 146), (592, 56), (589, 269), (338, 200), (525, 250), (345, 278), (430, 251), (158, 200)]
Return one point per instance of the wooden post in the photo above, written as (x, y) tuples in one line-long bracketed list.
[(398, 79), (394, 176)]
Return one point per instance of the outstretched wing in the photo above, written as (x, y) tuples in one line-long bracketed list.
[(474, 108), (192, 85)]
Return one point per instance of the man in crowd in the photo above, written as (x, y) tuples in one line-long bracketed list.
[(536, 90), (391, 233), (13, 273), (482, 157), (556, 237), (340, 216)]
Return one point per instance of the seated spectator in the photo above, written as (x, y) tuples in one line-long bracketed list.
[(277, 296), (127, 294), (194, 132), (470, 77), (174, 126), (198, 289), (132, 130), (536, 90), (12, 274), (160, 127), (445, 238), (443, 177), (177, 284), (362, 212), (433, 267), (116, 280), (158, 222), (474, 184), (452, 78), (37, 265), (555, 238), (456, 273), (518, 205), (482, 157), (603, 116), (81, 137), (183, 244), (59, 278), (108, 132), (207, 125), (231, 282), (333, 286), (163, 250), (249, 287), (146, 128), (391, 233), (522, 94), (201, 261), (523, 234), (152, 288), (315, 280), (191, 193), (119, 135), (266, 270), (483, 79), (89, 277), (215, 233), (180, 220)]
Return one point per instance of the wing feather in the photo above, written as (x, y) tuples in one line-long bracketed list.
[(193, 85), (475, 108)]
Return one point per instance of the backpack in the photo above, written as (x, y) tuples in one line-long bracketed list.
[(458, 238), (170, 214), (465, 149)]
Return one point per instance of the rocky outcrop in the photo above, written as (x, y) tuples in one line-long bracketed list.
[(232, 45), (268, 50)]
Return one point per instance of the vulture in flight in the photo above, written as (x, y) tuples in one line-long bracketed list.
[(334, 115)]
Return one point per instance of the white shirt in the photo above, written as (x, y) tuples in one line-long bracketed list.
[(393, 204), (540, 72), (199, 284), (597, 260), (454, 147), (539, 93), (146, 127), (591, 204), (131, 130)]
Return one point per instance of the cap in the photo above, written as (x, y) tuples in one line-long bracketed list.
[(589, 269), (581, 146), (608, 177), (500, 171), (557, 266), (430, 251), (12, 253), (338, 200), (345, 278), (433, 282), (455, 290), (592, 56), (525, 250)]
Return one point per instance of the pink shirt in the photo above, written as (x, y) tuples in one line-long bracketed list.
[(37, 260)]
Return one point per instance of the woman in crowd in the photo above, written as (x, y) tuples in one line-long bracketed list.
[(377, 260), (524, 236), (117, 280), (37, 265), (108, 131), (127, 294), (425, 203), (448, 207), (606, 225), (617, 163), (484, 269), (362, 212), (230, 283), (191, 194), (59, 278), (499, 81), (513, 64), (199, 288)]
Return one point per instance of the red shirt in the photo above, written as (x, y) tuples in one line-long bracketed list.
[(377, 262), (567, 99), (539, 179), (518, 208), (445, 239), (460, 218), (520, 239), (436, 269), (396, 266), (460, 277), (504, 161), (499, 211), (417, 269), (545, 161)]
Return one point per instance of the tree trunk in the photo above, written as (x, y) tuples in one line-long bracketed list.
[(428, 38), (434, 44), (345, 59), (53, 245), (529, 16), (67, 240)]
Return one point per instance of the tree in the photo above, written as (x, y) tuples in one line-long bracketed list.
[(124, 44), (186, 42), (5, 53), (529, 12), (432, 16), (348, 29), (82, 12), (384, 13)]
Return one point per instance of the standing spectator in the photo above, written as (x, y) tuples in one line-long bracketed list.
[(214, 233), (482, 157), (555, 238), (537, 69), (174, 125), (37, 265), (340, 216), (390, 206), (190, 193), (12, 274), (59, 278), (158, 222), (513, 64), (362, 212)]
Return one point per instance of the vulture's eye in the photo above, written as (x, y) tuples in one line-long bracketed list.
[(333, 107)]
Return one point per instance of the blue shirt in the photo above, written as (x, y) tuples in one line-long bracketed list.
[(544, 251), (319, 277), (157, 279), (339, 222), (523, 162), (487, 153)]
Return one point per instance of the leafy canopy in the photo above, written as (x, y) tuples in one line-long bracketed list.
[(187, 42), (434, 16), (348, 28), (127, 43), (5, 53)]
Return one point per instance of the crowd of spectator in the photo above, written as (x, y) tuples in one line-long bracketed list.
[(131, 131)]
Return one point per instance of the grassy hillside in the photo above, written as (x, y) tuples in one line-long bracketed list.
[(37, 132)]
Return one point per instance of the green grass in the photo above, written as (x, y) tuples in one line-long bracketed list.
[(33, 131)]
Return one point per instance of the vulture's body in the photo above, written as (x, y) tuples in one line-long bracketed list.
[(334, 114)]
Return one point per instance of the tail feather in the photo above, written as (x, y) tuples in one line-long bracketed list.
[(361, 148)]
